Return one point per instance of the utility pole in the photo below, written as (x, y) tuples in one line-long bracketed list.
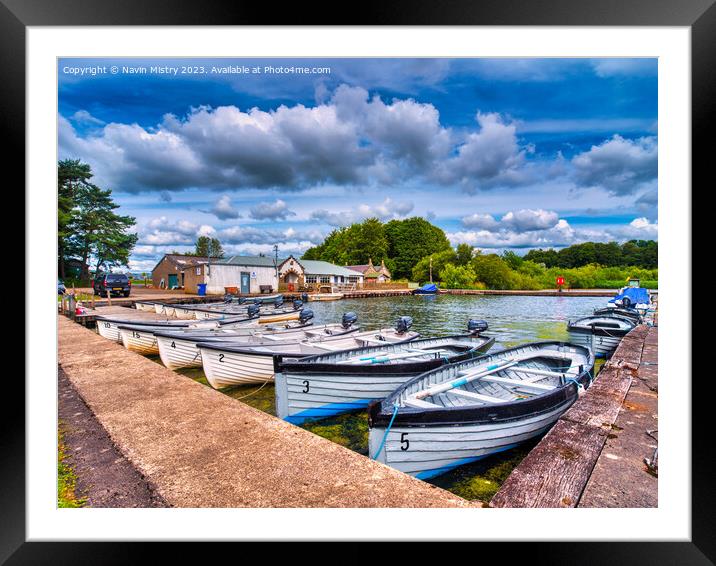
[(431, 269), (275, 261)]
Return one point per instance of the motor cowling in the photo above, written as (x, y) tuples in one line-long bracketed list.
[(241, 300), (476, 326), (403, 324), (297, 304), (278, 303), (305, 315), (626, 302), (228, 298), (304, 297), (253, 311), (257, 301), (349, 319)]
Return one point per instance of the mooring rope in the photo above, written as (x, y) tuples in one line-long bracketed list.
[(387, 430), (254, 392)]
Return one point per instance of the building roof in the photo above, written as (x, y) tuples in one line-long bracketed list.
[(249, 260), (360, 268), (315, 267), (182, 260)]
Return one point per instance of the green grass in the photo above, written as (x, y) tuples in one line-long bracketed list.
[(66, 479)]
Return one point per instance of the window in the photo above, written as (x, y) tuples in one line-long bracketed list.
[(198, 270), (325, 278), (310, 278)]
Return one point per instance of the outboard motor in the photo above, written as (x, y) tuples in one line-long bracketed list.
[(241, 300), (626, 302), (403, 324), (476, 326), (349, 319), (297, 304), (227, 298), (279, 302), (253, 311), (304, 297), (257, 301), (305, 315)]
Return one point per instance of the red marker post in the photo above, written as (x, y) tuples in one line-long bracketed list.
[(560, 282)]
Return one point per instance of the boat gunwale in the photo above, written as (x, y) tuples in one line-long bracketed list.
[(306, 364), (166, 334), (242, 350)]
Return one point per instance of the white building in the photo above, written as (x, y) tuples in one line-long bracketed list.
[(247, 273)]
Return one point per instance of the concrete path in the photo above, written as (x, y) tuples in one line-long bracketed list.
[(201, 448)]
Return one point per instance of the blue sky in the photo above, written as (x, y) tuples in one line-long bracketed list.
[(500, 153)]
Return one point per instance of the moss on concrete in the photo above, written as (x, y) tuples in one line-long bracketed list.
[(66, 478)]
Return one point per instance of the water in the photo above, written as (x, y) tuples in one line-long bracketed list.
[(512, 320)]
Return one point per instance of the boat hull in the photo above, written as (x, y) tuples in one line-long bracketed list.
[(140, 341), (602, 346), (176, 353), (316, 391), (426, 452), (226, 368), (326, 297), (109, 329)]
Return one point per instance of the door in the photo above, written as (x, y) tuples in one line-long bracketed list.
[(173, 281), (245, 282)]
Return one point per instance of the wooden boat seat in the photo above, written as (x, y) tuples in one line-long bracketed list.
[(517, 383), (475, 396), (418, 404)]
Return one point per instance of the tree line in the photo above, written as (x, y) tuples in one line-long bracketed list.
[(88, 229), (416, 249), (638, 253)]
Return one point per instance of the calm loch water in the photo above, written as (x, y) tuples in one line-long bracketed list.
[(512, 321)]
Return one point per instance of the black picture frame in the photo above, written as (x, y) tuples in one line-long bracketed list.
[(699, 15)]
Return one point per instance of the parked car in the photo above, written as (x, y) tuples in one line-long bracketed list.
[(115, 283), (61, 289)]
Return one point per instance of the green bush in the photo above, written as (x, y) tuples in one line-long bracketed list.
[(457, 277)]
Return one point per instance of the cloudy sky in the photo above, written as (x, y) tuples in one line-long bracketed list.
[(500, 153)]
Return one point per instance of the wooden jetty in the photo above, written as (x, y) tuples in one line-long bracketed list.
[(602, 451)]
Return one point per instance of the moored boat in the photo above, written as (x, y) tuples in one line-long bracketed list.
[(631, 314), (147, 306), (325, 293), (179, 349), (601, 334), (233, 364), (428, 289), (466, 411), (329, 384)]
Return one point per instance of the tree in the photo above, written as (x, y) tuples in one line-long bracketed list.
[(421, 271), (208, 247), (91, 228), (410, 240), (457, 276), (464, 253), (71, 175), (492, 271)]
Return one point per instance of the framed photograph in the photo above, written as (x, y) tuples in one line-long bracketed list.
[(394, 278)]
